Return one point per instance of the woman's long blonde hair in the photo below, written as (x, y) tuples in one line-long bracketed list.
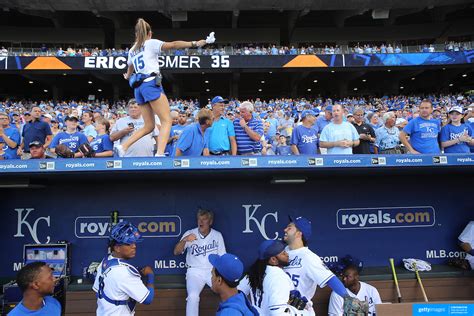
[(142, 28)]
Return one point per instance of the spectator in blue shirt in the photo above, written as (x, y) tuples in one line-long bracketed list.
[(273, 125), (193, 139), (221, 134), (324, 120), (36, 129), (71, 137), (36, 282), (282, 149), (387, 136), (248, 131), (456, 137), (423, 132), (339, 136), (9, 138), (175, 132), (304, 139), (102, 145), (89, 129)]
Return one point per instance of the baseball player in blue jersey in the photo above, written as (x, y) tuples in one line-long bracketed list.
[(118, 284), (199, 243), (146, 82)]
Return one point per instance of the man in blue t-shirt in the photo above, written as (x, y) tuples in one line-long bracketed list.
[(193, 139), (175, 132), (304, 139), (9, 137), (71, 137), (339, 136), (423, 132), (325, 119), (226, 273), (221, 134), (36, 282), (35, 130), (272, 129), (282, 149)]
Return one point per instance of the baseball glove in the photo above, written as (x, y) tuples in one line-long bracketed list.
[(63, 151), (460, 263), (296, 300), (355, 307), (87, 150)]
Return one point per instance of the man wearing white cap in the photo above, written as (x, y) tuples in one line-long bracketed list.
[(456, 137)]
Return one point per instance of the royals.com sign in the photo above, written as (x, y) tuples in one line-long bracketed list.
[(148, 226), (385, 217)]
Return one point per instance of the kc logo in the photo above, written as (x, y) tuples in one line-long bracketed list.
[(250, 211), (22, 220)]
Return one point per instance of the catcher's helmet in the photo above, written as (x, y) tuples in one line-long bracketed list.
[(125, 233)]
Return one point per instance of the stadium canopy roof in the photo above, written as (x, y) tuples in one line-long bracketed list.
[(169, 6)]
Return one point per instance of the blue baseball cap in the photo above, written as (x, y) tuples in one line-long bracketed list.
[(305, 113), (303, 224), (218, 99), (328, 108), (270, 248), (229, 266)]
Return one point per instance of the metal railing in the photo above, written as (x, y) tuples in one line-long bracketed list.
[(230, 50)]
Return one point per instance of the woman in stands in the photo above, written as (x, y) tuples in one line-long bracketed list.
[(146, 81), (102, 145)]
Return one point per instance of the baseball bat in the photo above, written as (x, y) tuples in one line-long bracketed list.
[(396, 280), (419, 281), (114, 217)]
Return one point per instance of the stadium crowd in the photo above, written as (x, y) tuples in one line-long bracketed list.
[(248, 49), (387, 125)]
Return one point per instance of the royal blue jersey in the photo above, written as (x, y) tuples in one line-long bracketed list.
[(306, 139), (451, 132), (72, 141), (102, 143), (13, 134)]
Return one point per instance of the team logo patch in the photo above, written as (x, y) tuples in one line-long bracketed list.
[(440, 160), (44, 165), (249, 162), (183, 163), (113, 164), (315, 161), (378, 161)]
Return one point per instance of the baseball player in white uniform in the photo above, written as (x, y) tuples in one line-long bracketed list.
[(358, 289), (267, 285), (199, 243), (306, 269), (118, 284), (467, 242)]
